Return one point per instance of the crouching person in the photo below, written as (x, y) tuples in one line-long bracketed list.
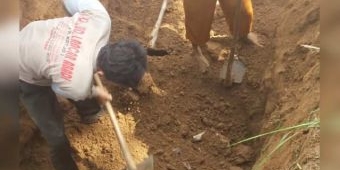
[(60, 56)]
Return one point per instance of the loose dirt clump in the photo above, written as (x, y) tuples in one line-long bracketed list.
[(188, 102)]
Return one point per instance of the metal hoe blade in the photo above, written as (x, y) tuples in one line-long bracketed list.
[(238, 71), (233, 71), (147, 164), (154, 34)]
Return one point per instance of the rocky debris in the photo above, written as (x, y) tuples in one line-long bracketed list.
[(243, 154), (165, 120), (184, 130), (235, 168), (198, 137), (170, 167)]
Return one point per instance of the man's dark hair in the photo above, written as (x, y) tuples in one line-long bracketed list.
[(123, 62)]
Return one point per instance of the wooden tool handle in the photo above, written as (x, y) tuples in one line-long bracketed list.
[(128, 157), (154, 33)]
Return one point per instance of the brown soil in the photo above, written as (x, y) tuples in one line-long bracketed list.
[(280, 89)]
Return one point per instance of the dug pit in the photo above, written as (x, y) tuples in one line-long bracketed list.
[(163, 125)]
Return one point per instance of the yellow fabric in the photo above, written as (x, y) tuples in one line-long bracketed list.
[(199, 15)]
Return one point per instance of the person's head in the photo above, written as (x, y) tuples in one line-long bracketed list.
[(123, 63)]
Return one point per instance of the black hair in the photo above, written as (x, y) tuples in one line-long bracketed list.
[(123, 62)]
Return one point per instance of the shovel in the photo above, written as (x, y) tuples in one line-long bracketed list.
[(152, 51), (147, 164), (233, 69)]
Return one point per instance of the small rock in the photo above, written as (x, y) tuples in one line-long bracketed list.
[(87, 154), (227, 104), (177, 151), (239, 161), (165, 120), (243, 96), (159, 152), (207, 122), (170, 167), (243, 154), (75, 150), (245, 151), (216, 106), (187, 165), (85, 150), (198, 137), (222, 104), (153, 127), (202, 161), (220, 126), (235, 168), (105, 150), (208, 100), (221, 108), (112, 156), (215, 153), (185, 131), (160, 69), (133, 96), (226, 111), (225, 141), (177, 123)]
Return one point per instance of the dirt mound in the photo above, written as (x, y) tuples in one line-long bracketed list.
[(192, 103)]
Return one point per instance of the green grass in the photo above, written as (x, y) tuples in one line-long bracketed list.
[(287, 137), (290, 134), (311, 124)]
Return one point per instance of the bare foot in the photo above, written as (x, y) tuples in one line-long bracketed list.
[(253, 38), (202, 60)]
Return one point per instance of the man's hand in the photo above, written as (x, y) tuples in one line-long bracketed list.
[(102, 95)]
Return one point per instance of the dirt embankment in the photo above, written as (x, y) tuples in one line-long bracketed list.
[(281, 88), (294, 83)]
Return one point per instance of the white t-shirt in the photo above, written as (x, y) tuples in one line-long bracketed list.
[(62, 52)]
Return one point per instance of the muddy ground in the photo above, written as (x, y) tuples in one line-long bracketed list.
[(280, 89)]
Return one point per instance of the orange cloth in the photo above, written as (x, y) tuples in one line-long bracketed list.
[(199, 15)]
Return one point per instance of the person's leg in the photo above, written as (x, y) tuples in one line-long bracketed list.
[(199, 15), (43, 107), (89, 110), (230, 7)]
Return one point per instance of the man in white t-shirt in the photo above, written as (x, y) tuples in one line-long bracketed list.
[(60, 56)]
